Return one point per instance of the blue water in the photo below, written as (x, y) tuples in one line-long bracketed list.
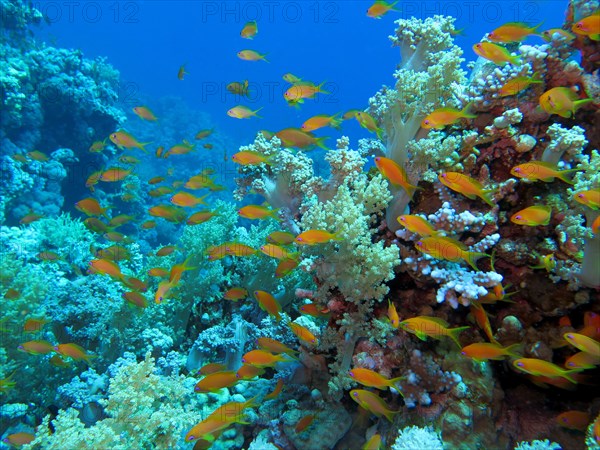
[(147, 41)]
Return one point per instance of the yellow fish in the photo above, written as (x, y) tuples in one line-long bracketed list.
[(433, 327), (395, 174), (269, 304), (237, 88), (583, 343), (483, 351), (320, 121), (512, 32), (518, 84), (122, 139), (418, 225), (243, 112), (145, 113), (539, 170), (251, 55), (254, 212), (588, 26), (372, 403), (250, 30), (467, 186), (440, 247), (297, 138), (532, 216), (367, 121), (495, 53), (443, 117), (537, 367), (378, 9), (589, 198), (313, 237), (562, 101), (547, 35)]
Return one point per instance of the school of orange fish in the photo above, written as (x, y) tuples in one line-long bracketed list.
[(215, 376)]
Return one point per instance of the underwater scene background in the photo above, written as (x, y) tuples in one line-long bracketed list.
[(300, 225)]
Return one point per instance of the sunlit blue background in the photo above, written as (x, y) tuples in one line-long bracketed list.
[(147, 41)]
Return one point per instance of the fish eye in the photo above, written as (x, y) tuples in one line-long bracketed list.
[(355, 394), (580, 195), (520, 364), (519, 217), (569, 336), (191, 438), (463, 353)]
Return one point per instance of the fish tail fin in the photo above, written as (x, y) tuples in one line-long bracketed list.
[(473, 257), (337, 237), (336, 122), (389, 415), (562, 175), (411, 189), (466, 111), (453, 334), (567, 374), (321, 91), (142, 146), (321, 142), (392, 383), (536, 78), (579, 103), (487, 195), (594, 37), (515, 350)]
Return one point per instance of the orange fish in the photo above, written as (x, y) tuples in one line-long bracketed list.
[(393, 315), (305, 89), (212, 368), (369, 378), (297, 138), (583, 343), (156, 180), (574, 420), (136, 299), (105, 267), (304, 423), (313, 237), (162, 291), (562, 101), (268, 303), (588, 26), (34, 325), (38, 156), (250, 158), (36, 347), (434, 327), (215, 252), (589, 198), (181, 73), (248, 372), (372, 403), (145, 113), (200, 217), (91, 207), (276, 391), (262, 358), (122, 139), (366, 121), (48, 256), (251, 55), (275, 251), (115, 174), (171, 213), (442, 117), (280, 238), (395, 174), (467, 186), (18, 439), (236, 293), (274, 346), (582, 360), (187, 200), (249, 30), (311, 309), (303, 334), (539, 170), (518, 84), (483, 351), (254, 212), (495, 53), (239, 249), (215, 381), (512, 32), (243, 112), (126, 159), (178, 269), (549, 34), (180, 149), (482, 319), (285, 267), (532, 216), (30, 218), (418, 225), (596, 225), (320, 121), (97, 146), (74, 351), (238, 88), (378, 9), (158, 272), (448, 249), (534, 366), (204, 133), (96, 225), (374, 443), (148, 225)]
